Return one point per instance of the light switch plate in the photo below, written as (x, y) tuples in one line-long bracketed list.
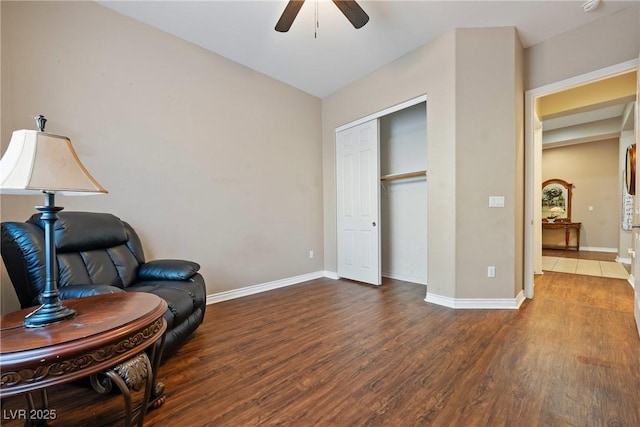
[(491, 271), (496, 201)]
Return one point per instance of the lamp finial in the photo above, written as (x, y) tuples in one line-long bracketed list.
[(40, 121)]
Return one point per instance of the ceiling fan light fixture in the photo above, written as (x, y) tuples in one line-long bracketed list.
[(353, 12), (349, 8), (289, 15), (590, 5)]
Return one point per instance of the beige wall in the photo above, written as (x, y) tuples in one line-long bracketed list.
[(519, 201), (617, 89), (207, 159), (430, 70), (608, 41), (488, 163), (249, 201), (427, 70), (471, 127), (593, 170)]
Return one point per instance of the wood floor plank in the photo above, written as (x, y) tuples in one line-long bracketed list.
[(338, 353)]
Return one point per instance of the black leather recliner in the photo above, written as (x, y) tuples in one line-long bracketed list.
[(99, 254)]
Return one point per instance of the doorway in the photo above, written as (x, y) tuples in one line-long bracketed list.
[(533, 163)]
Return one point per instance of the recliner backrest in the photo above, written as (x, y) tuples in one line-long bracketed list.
[(92, 249)]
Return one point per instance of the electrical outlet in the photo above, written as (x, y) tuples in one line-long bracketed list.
[(491, 271), (310, 254)]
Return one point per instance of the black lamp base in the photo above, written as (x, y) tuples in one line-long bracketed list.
[(47, 314), (51, 310)]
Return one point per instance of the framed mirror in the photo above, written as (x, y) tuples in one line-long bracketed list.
[(556, 200), (630, 170)]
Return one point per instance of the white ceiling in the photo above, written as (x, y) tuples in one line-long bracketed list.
[(595, 124), (243, 31), (613, 111)]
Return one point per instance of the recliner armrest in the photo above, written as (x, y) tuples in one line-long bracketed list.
[(81, 291), (167, 269)]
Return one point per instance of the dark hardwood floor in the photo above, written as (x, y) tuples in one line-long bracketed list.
[(338, 353)]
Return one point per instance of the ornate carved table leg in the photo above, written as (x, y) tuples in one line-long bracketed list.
[(129, 375), (157, 392), (37, 417)]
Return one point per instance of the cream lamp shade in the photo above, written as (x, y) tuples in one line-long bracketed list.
[(40, 162), (37, 162)]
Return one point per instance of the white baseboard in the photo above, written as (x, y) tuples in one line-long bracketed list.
[(263, 287), (598, 249), (331, 275), (632, 281), (623, 260), (459, 303), (477, 303)]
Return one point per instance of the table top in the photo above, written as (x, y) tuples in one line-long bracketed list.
[(560, 224), (106, 330)]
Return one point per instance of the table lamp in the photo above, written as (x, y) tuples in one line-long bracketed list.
[(39, 162)]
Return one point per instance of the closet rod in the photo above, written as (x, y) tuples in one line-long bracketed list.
[(403, 176)]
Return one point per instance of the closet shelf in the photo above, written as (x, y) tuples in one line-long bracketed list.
[(403, 176)]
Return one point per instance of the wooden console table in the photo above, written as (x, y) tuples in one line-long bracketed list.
[(108, 332), (567, 227)]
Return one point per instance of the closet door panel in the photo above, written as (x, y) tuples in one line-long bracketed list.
[(358, 203)]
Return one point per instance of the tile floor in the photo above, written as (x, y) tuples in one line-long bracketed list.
[(585, 266)]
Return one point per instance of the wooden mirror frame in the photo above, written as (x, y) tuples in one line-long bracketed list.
[(630, 170), (554, 191)]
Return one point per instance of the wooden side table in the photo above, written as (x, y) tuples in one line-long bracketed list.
[(106, 335), (567, 227)]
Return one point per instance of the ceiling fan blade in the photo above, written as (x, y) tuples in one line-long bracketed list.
[(353, 12), (289, 15)]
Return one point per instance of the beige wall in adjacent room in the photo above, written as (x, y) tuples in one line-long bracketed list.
[(208, 160), (593, 170), (620, 88)]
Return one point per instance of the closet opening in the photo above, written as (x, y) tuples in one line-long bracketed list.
[(381, 183), (403, 194)]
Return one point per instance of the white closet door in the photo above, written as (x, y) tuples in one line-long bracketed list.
[(358, 204)]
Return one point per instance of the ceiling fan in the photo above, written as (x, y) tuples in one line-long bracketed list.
[(349, 8)]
